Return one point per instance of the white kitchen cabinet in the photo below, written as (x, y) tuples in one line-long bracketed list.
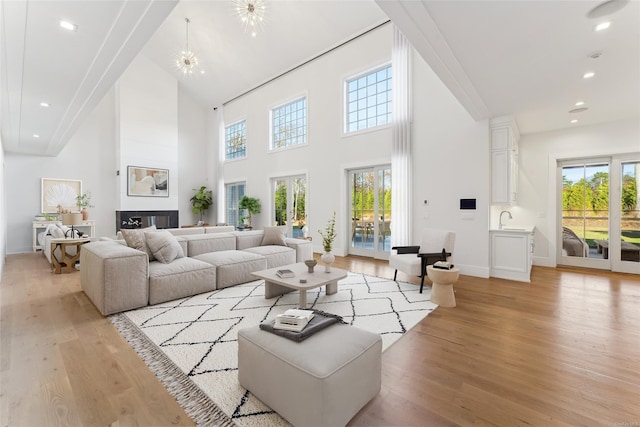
[(504, 161), (512, 253)]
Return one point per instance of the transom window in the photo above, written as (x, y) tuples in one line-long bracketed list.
[(235, 137), (234, 194), (368, 100), (289, 124)]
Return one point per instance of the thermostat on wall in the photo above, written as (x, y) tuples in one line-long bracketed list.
[(467, 204)]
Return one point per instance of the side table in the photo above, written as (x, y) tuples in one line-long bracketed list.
[(66, 260), (442, 290)]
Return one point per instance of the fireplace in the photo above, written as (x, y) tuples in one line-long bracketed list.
[(143, 219)]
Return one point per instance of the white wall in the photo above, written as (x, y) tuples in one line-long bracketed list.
[(328, 154), (193, 158), (89, 156), (450, 162), (537, 163), (93, 155), (147, 130), (3, 211), (450, 154)]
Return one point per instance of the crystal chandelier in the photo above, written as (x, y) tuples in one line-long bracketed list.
[(187, 62), (251, 13)]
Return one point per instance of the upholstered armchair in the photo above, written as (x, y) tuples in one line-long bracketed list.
[(435, 245)]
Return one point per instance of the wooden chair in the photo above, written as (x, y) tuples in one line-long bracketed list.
[(435, 245)]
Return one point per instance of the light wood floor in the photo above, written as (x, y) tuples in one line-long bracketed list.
[(563, 350)]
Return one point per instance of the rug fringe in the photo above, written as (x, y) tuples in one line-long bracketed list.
[(195, 403)]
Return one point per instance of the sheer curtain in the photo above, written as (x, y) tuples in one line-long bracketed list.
[(401, 146), (222, 195)]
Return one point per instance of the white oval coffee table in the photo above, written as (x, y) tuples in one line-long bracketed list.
[(442, 289)]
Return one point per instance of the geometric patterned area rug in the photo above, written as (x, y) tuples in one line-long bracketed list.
[(191, 344)]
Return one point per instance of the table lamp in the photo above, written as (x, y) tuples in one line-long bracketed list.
[(71, 219)]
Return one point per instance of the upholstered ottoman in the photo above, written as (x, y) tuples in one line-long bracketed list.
[(233, 267), (322, 381)]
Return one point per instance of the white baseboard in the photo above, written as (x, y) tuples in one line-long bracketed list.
[(473, 270), (544, 261)]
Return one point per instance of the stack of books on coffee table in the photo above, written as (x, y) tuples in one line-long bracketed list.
[(293, 320)]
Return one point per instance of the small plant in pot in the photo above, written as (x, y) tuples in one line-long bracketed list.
[(83, 202), (201, 201), (251, 205)]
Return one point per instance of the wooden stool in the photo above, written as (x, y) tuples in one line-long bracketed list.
[(442, 290)]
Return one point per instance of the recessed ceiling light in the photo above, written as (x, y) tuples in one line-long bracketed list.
[(44, 104), (588, 75), (201, 71), (602, 26), (574, 121), (606, 8), (579, 110), (68, 26), (35, 135), (579, 103)]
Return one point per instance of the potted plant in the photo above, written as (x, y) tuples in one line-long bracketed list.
[(201, 201), (84, 201), (251, 205), (328, 236)]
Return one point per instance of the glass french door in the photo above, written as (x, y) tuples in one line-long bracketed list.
[(585, 213), (290, 204), (370, 212), (600, 214), (627, 195)]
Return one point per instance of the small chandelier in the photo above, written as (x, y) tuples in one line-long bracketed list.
[(251, 13), (187, 62)]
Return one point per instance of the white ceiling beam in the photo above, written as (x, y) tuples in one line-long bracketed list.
[(413, 19)]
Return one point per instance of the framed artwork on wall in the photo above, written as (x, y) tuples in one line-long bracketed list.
[(60, 193), (147, 182)]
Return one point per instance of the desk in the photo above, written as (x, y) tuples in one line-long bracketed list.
[(42, 225), (66, 260)]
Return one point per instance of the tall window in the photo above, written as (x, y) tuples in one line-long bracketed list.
[(289, 124), (234, 194), (235, 137), (368, 100)]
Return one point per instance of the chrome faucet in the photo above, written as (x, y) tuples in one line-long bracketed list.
[(500, 222)]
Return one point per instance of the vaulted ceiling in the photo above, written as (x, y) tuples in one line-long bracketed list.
[(524, 58)]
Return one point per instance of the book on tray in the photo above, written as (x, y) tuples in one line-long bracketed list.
[(443, 265), (293, 320), (285, 273)]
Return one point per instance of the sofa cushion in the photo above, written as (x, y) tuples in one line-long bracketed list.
[(135, 239), (198, 244), (181, 278), (248, 239), (274, 236), (163, 245), (234, 267), (275, 255)]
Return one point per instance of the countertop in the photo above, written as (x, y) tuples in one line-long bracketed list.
[(524, 229)]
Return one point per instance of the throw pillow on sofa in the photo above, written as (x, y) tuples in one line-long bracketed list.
[(55, 231), (164, 246), (135, 239), (274, 236)]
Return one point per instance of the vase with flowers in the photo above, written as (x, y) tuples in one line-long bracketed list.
[(328, 236), (84, 201)]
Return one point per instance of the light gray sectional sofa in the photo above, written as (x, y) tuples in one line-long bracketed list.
[(117, 275)]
